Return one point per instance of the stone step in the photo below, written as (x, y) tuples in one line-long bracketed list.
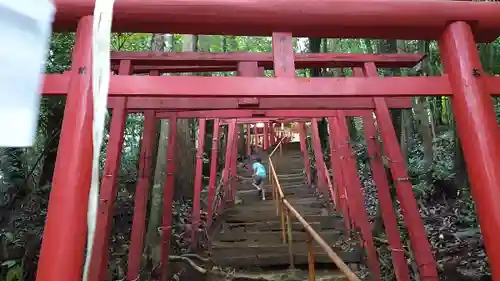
[(268, 206), (291, 178), (325, 221), (272, 237), (267, 213), (254, 197), (287, 187), (283, 259), (247, 255), (251, 232), (250, 197), (287, 165), (288, 159), (310, 201), (271, 226)]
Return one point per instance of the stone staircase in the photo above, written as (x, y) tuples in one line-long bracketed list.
[(249, 235)]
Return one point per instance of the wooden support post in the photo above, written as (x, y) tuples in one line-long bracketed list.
[(198, 183), (265, 141), (477, 129), (310, 258), (383, 191), (249, 141), (418, 238), (107, 193), (234, 166), (227, 162), (355, 195), (168, 196), (318, 155), (64, 237), (289, 238), (141, 196), (305, 151), (338, 176), (214, 158)]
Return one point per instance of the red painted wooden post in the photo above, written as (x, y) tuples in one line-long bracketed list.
[(141, 196), (355, 195), (168, 196), (477, 129), (418, 238), (338, 177), (64, 238), (198, 178), (305, 152), (416, 230), (383, 191), (265, 141), (318, 155), (227, 162), (234, 162), (107, 194), (249, 140), (272, 134), (214, 159)]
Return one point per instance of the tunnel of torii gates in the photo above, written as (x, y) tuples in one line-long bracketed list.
[(456, 25)]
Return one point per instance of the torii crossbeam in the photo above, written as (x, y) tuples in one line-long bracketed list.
[(457, 25)]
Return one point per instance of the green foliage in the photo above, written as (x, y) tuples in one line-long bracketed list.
[(14, 272)]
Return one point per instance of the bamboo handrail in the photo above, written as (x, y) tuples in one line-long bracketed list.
[(280, 143), (329, 251), (286, 209)]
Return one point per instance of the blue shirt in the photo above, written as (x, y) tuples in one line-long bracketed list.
[(259, 169)]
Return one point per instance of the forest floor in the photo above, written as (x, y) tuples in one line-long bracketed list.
[(456, 243), (457, 246)]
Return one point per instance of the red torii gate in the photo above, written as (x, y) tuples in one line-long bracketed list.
[(447, 21), (99, 262)]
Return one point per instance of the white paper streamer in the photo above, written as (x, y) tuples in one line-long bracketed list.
[(101, 46)]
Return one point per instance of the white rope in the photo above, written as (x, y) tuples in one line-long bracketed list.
[(101, 46)]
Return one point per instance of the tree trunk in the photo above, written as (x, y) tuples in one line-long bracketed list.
[(159, 168), (391, 47), (186, 147), (315, 47)]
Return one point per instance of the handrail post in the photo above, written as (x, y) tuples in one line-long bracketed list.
[(281, 149), (277, 199), (271, 182), (290, 238), (283, 226), (310, 258)]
